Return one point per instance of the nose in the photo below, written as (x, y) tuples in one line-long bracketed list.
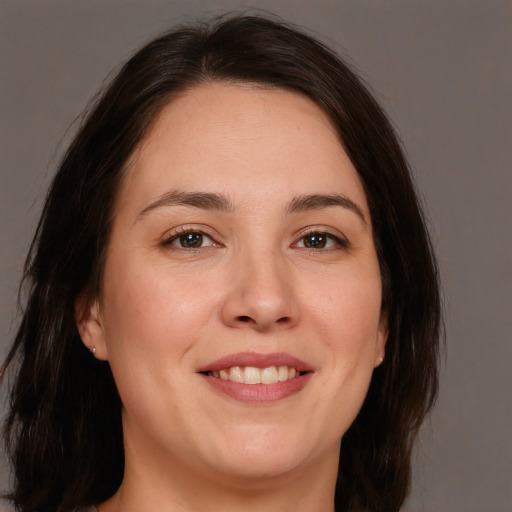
[(261, 295)]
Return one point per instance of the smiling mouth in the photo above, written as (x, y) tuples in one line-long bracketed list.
[(254, 375)]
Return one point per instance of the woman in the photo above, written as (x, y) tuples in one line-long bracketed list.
[(233, 300)]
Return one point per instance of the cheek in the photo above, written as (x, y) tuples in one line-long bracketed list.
[(347, 319), (343, 317), (152, 320), (154, 311), (347, 307)]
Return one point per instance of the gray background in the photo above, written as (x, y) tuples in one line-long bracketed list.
[(442, 69)]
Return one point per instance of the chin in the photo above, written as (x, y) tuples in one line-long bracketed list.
[(262, 456), (258, 470)]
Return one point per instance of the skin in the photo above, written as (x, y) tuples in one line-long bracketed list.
[(253, 285)]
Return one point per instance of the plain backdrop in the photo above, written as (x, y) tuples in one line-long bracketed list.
[(442, 70)]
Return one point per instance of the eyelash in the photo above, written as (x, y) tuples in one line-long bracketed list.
[(339, 242), (329, 238), (169, 241)]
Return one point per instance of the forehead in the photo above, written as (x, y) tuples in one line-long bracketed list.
[(241, 137)]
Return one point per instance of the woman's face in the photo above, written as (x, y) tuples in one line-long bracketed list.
[(240, 311)]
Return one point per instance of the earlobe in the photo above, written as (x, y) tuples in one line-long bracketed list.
[(90, 326), (382, 337)]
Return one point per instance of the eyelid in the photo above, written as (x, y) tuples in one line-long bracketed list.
[(337, 236), (172, 235)]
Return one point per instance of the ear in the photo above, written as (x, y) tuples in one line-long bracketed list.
[(382, 337), (90, 326)]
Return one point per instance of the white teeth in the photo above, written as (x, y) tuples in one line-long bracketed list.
[(236, 374), (253, 375), (269, 375)]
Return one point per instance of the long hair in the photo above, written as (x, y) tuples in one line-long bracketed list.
[(63, 429)]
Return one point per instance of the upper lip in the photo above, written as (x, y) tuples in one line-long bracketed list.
[(257, 360)]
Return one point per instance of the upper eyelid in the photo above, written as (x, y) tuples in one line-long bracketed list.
[(339, 238), (335, 233), (327, 235), (173, 234), (180, 230)]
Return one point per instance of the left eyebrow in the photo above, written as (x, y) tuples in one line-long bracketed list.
[(202, 200), (320, 201)]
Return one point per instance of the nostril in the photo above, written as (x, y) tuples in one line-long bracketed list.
[(283, 320), (244, 318)]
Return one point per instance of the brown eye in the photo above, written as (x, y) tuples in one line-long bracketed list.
[(190, 240), (318, 240), (315, 241)]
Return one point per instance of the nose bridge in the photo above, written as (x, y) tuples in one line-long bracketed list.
[(262, 292)]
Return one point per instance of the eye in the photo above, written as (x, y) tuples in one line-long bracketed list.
[(320, 240), (189, 240)]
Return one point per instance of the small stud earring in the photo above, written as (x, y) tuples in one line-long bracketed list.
[(380, 359), (93, 350)]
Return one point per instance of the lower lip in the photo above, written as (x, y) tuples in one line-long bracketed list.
[(258, 393)]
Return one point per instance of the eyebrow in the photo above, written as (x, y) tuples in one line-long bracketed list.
[(203, 200), (220, 202), (320, 201)]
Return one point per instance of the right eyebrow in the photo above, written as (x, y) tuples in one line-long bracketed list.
[(203, 200)]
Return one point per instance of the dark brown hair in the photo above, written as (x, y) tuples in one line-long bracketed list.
[(63, 430)]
